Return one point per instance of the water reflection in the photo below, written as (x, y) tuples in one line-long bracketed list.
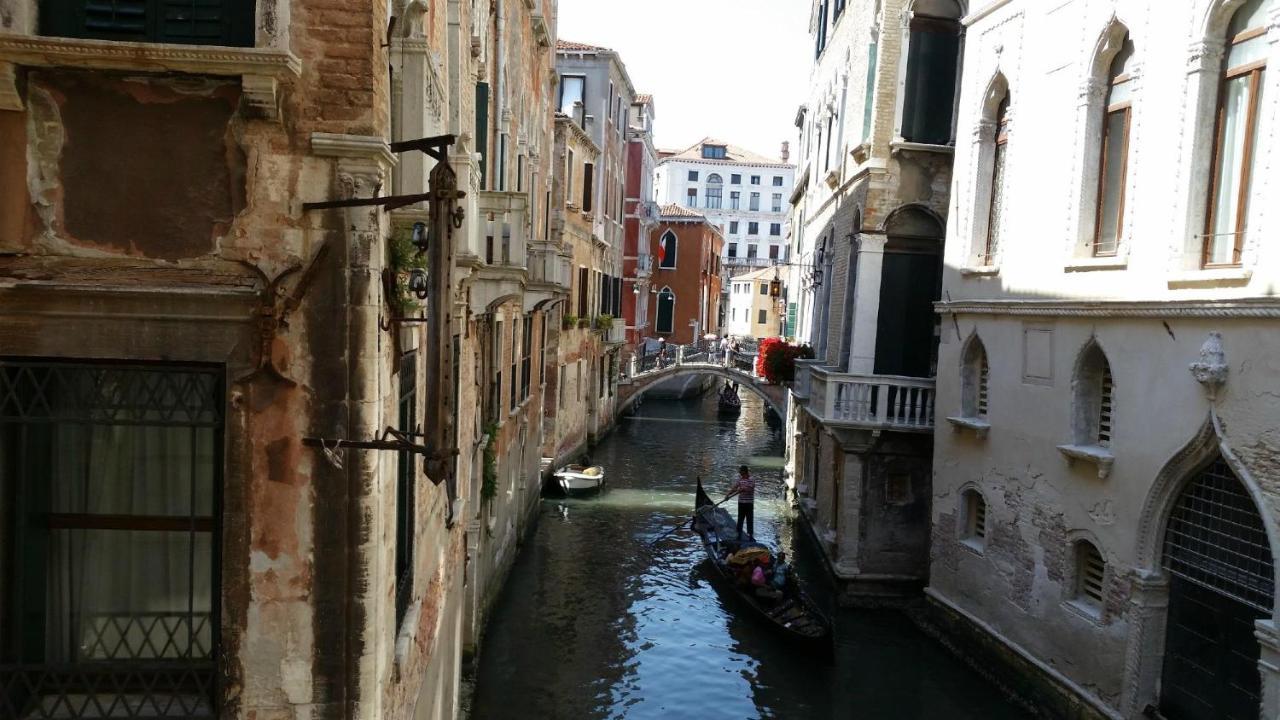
[(596, 622)]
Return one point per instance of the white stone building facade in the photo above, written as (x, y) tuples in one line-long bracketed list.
[(868, 215), (1106, 474), (743, 193)]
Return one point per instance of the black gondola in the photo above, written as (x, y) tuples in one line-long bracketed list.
[(729, 403), (794, 614)]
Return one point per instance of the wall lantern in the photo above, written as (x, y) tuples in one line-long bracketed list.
[(419, 237), (418, 283)]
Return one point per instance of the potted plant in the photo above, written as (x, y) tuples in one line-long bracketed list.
[(569, 322), (604, 322)]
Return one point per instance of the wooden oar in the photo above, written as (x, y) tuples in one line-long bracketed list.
[(664, 535)]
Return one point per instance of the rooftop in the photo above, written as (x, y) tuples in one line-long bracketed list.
[(679, 211), (570, 46), (761, 274), (732, 154)]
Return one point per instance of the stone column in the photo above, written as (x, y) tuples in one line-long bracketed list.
[(361, 165), (866, 308), (849, 522), (1144, 654), (1269, 665)]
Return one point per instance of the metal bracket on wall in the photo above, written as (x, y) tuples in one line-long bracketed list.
[(435, 147), (391, 439), (274, 309)]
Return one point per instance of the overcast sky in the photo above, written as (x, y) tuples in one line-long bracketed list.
[(732, 69)]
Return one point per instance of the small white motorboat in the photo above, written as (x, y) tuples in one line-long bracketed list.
[(579, 479)]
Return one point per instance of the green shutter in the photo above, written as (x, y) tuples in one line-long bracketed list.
[(183, 22), (791, 321), (482, 130)]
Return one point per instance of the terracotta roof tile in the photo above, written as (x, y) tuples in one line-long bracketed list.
[(679, 211), (732, 154), (570, 46), (644, 98)]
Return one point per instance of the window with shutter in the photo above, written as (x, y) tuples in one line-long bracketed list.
[(182, 22), (1090, 571)]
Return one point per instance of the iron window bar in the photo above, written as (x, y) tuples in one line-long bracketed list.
[(1215, 538)]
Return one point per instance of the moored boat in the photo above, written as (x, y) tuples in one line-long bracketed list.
[(794, 614), (579, 479)]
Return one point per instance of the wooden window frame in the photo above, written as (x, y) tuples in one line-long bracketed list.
[(1255, 71), (1125, 107), (1000, 148)]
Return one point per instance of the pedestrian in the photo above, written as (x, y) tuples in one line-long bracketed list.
[(745, 489), (724, 348)]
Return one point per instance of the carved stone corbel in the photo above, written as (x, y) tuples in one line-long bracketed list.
[(260, 95), (1211, 370)]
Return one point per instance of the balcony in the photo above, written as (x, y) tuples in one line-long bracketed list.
[(730, 262), (644, 265), (888, 402), (503, 224), (800, 388)]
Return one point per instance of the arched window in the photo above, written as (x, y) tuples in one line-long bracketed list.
[(973, 380), (973, 520), (990, 149), (667, 248), (995, 209), (1235, 134), (1090, 573), (1113, 154), (1093, 406), (933, 57), (715, 186), (666, 320)]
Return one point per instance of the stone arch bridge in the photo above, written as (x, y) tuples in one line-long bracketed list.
[(634, 382)]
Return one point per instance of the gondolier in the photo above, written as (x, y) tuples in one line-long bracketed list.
[(745, 489)]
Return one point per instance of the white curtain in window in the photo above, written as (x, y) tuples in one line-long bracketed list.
[(130, 594)]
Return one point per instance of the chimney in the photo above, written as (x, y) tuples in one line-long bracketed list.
[(786, 150)]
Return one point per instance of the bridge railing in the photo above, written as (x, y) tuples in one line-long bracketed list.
[(646, 360), (872, 401)]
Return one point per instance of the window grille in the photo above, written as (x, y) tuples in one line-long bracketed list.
[(975, 521), (1215, 538), (151, 652), (984, 372), (1090, 571), (1104, 408)]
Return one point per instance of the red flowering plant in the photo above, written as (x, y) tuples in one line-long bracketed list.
[(776, 360)]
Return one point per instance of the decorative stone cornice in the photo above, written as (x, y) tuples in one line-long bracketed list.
[(41, 51), (260, 68), (356, 147), (1228, 309)]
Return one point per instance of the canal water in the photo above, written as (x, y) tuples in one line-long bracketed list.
[(595, 623)]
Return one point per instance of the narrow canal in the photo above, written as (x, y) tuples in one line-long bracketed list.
[(593, 623)]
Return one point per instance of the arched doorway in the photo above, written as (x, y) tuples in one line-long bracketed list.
[(910, 283), (666, 316), (1222, 580)]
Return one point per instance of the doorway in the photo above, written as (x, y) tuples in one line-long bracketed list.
[(910, 283)]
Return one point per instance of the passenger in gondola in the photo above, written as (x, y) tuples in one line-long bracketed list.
[(761, 583), (781, 576)]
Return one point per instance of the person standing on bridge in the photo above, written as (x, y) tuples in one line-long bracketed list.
[(724, 348), (745, 489)]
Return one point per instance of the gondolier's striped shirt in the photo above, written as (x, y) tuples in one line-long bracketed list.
[(747, 489)]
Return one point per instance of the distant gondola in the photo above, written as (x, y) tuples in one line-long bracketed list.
[(794, 614), (729, 404)]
